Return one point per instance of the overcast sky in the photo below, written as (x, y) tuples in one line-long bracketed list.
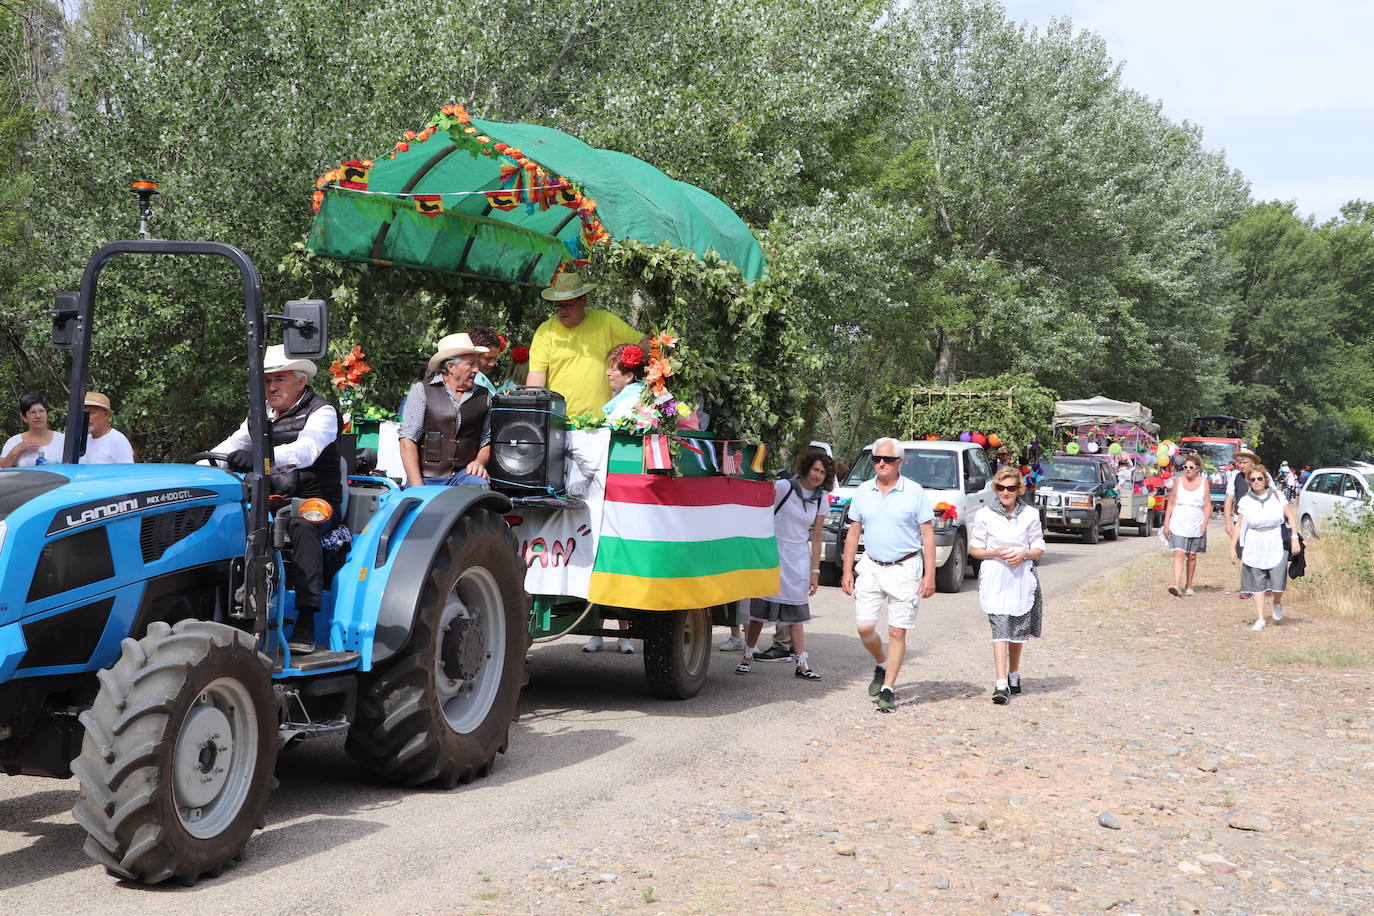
[(1285, 88)]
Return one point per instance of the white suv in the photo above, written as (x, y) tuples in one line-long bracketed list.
[(955, 474), (1328, 491)]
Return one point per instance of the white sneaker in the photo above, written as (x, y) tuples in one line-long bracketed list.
[(625, 646), (595, 644), (1257, 625), (1278, 613), (1187, 591), (733, 644)]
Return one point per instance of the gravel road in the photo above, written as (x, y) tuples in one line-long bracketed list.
[(764, 791)]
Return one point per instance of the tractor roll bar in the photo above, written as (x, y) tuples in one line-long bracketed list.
[(253, 321)]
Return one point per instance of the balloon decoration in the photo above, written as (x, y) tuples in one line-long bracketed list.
[(1093, 447), (932, 437), (978, 439), (966, 436), (1072, 448), (1114, 448), (1152, 502), (994, 440)]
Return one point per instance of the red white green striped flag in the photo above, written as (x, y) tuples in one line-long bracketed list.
[(684, 542)]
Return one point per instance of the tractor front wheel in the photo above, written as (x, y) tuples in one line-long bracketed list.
[(677, 651), (440, 711), (176, 763)]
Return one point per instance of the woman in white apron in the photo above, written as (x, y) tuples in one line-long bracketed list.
[(1185, 523), (799, 510), (1008, 541)]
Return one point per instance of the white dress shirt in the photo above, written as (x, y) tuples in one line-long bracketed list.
[(321, 428)]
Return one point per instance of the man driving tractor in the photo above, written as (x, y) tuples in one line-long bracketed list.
[(305, 464)]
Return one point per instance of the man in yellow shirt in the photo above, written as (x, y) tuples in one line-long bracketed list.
[(568, 353)]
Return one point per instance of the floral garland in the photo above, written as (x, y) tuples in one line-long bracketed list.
[(523, 180)]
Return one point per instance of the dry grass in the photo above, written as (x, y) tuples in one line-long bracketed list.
[(1333, 586), (1323, 655)]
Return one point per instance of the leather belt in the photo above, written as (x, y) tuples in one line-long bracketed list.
[(896, 561)]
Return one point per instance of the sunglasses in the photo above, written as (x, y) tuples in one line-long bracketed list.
[(1006, 487), (1257, 480), (1190, 467), (887, 459)]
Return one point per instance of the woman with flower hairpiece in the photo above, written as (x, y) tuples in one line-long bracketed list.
[(625, 369), (486, 362)]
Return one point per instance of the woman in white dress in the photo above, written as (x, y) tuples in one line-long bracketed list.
[(1257, 543), (1008, 540), (1185, 523), (799, 510), (38, 444)]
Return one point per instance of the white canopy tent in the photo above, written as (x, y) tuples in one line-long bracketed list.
[(1100, 411)]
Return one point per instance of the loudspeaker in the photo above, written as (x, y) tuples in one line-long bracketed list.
[(528, 427)]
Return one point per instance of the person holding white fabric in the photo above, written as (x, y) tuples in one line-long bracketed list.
[(799, 511), (1257, 543), (1185, 523), (1008, 539)]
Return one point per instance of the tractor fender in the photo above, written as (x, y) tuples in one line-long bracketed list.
[(411, 559)]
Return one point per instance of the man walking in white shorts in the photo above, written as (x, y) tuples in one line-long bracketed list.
[(897, 522)]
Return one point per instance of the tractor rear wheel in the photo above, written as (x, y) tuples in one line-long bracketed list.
[(440, 711), (176, 763), (677, 651)]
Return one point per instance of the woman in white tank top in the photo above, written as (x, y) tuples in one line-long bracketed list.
[(1185, 523)]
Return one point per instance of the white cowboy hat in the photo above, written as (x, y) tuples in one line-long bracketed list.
[(96, 399), (565, 286), (451, 346), (274, 360)]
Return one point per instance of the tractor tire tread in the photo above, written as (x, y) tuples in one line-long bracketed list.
[(122, 801), (399, 734)]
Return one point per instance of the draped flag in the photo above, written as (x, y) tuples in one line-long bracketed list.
[(682, 542), (657, 456)]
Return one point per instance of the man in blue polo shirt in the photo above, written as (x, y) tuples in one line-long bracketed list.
[(897, 522)]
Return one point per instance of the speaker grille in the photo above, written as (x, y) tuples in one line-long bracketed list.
[(162, 531)]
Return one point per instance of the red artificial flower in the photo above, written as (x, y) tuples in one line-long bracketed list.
[(504, 344), (403, 146), (520, 355), (631, 357)]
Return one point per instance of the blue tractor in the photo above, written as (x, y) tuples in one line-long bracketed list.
[(142, 609)]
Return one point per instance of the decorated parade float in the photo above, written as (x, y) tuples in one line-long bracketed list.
[(664, 529)]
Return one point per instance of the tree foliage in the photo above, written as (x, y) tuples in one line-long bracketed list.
[(943, 195)]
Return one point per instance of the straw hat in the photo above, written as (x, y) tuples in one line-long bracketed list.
[(449, 347), (274, 360), (1245, 453), (96, 399), (565, 286)]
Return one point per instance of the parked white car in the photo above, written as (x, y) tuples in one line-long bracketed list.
[(956, 474), (1331, 491)]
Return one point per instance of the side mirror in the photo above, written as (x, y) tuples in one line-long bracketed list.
[(976, 483), (307, 329), (64, 320)]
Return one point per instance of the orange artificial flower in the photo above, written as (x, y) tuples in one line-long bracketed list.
[(409, 135)]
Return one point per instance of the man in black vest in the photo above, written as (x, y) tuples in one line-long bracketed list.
[(305, 464), (445, 436)]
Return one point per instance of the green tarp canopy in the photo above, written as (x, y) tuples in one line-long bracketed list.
[(381, 221)]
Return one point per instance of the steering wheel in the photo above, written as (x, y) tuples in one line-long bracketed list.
[(212, 457)]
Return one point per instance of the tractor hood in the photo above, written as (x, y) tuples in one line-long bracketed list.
[(63, 497), (19, 485)]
